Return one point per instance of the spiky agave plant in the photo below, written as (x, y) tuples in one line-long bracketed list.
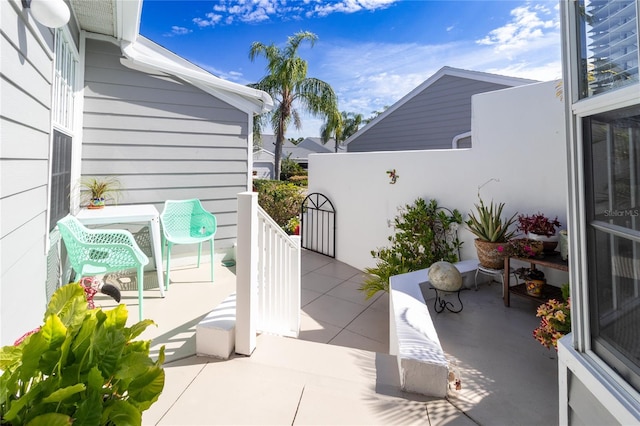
[(488, 224)]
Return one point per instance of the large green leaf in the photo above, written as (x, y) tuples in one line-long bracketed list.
[(51, 419), (109, 345), (9, 357), (121, 413), (69, 303), (83, 341), (89, 410), (138, 328), (64, 393), (117, 317), (31, 353), (54, 332), (146, 389)]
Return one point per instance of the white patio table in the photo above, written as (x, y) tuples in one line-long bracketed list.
[(130, 214)]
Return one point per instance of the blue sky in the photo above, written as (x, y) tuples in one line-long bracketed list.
[(372, 52)]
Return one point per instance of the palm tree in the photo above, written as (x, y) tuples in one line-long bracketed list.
[(289, 86), (340, 127)]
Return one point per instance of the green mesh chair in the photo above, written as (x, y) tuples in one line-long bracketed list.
[(101, 251), (186, 222)]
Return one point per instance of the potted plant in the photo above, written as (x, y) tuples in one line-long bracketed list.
[(534, 280), (96, 191), (521, 247), (539, 227), (555, 320), (491, 231), (81, 366)]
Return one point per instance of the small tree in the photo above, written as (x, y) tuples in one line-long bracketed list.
[(425, 233)]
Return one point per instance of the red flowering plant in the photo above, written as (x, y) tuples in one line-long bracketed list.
[(538, 224), (521, 247), (555, 320)]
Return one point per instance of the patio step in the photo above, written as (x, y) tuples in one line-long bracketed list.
[(216, 333)]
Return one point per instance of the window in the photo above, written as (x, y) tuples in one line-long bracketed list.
[(612, 171), (60, 177), (608, 35), (62, 114)]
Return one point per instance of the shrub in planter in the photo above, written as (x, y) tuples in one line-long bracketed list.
[(81, 366), (425, 233)]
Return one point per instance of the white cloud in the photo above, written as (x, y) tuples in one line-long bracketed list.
[(348, 6), (255, 11), (178, 31), (528, 25), (211, 20)]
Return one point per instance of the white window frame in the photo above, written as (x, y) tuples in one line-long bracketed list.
[(578, 110), (72, 122)]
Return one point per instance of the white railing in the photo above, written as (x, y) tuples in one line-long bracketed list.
[(267, 276), (278, 278)]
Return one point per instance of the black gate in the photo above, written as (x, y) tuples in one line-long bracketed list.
[(318, 225)]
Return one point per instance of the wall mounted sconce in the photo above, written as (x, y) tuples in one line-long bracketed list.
[(50, 13)]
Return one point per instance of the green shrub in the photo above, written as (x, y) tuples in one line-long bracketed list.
[(281, 200), (299, 180), (289, 168), (425, 233), (81, 366)]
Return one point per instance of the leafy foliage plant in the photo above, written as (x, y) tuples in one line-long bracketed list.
[(538, 224), (425, 233), (80, 366), (487, 223)]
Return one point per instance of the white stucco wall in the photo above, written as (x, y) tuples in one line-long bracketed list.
[(518, 140)]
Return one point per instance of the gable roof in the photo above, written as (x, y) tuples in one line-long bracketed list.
[(442, 72), (120, 20)]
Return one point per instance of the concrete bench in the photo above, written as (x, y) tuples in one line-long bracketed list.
[(216, 333), (423, 367)]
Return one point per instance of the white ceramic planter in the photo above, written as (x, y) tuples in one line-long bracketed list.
[(549, 243)]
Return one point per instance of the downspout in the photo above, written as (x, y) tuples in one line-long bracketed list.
[(456, 139)]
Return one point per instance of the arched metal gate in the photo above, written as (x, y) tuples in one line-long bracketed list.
[(318, 225)]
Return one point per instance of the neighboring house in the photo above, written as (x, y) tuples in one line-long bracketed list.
[(264, 158), (599, 362), (263, 164), (96, 98), (435, 115)]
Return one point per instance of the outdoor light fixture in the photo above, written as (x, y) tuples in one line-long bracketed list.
[(51, 13)]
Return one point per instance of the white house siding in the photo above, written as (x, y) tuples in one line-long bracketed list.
[(430, 120), (163, 137), (25, 84)]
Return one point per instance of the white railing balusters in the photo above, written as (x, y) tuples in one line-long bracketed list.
[(275, 284)]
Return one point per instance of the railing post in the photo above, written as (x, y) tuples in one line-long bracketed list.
[(246, 273), (295, 276)]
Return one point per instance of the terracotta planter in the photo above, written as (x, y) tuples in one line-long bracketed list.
[(488, 254), (534, 287)]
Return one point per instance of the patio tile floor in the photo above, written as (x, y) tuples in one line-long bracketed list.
[(338, 371)]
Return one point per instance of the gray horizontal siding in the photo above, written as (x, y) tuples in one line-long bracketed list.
[(164, 138), (429, 120), (25, 85)]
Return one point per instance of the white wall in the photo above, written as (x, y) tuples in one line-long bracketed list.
[(518, 139)]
